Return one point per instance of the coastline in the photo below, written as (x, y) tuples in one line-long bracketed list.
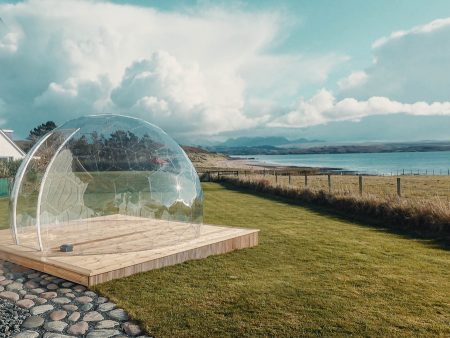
[(235, 163)]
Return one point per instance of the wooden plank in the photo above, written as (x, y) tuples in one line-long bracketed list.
[(93, 262), (217, 248)]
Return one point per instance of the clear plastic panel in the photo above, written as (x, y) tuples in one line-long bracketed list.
[(25, 194), (117, 184)]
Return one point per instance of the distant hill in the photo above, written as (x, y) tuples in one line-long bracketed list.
[(335, 149), (274, 141)]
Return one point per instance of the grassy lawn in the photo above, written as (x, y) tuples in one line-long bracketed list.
[(4, 213), (312, 274)]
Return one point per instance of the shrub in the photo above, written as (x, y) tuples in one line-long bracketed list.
[(428, 218)]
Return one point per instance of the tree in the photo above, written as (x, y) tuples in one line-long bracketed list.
[(41, 130)]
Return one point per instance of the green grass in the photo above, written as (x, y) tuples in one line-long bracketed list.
[(313, 274), (4, 213)]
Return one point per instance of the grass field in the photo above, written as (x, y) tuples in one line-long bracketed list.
[(313, 274), (4, 213)]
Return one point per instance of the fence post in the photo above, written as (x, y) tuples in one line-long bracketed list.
[(399, 187), (306, 180), (360, 185), (289, 178), (276, 177), (329, 184)]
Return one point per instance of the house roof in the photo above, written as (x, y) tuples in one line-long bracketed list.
[(2, 134)]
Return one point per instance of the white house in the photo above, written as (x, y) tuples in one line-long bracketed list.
[(8, 149)]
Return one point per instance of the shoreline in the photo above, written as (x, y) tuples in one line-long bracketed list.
[(252, 162), (247, 164)]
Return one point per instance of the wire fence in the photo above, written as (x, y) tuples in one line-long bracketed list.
[(405, 186)]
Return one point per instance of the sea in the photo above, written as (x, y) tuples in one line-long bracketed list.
[(397, 163)]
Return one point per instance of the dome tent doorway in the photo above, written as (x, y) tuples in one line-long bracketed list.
[(115, 189)]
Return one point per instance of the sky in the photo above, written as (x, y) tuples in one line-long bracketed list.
[(347, 71)]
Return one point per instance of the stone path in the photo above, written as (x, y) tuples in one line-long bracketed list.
[(56, 308)]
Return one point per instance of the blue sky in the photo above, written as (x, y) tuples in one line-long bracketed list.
[(206, 71)]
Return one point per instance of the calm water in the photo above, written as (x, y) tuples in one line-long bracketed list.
[(374, 163)]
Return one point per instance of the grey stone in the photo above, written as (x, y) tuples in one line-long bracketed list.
[(70, 307), (14, 286), (6, 282), (90, 294), (37, 310), (70, 295), (106, 324), (49, 295), (84, 299), (37, 291), (40, 300), (86, 307), (33, 322), (22, 292), (67, 284), (74, 316), (78, 329), (25, 303), (102, 333), (118, 314), (61, 300), (56, 335), (93, 316), (27, 334), (9, 295), (58, 315), (52, 286), (56, 326), (79, 288), (64, 290), (106, 306), (30, 285), (101, 300), (30, 296), (34, 275), (131, 328), (2, 278)]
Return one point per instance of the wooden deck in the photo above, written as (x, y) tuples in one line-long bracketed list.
[(111, 247)]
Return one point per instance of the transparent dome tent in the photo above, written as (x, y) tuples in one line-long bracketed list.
[(105, 184)]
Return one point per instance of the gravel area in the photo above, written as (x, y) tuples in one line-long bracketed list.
[(34, 304), (11, 317)]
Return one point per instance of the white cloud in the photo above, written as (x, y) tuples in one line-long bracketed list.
[(179, 97), (354, 79), (188, 71), (422, 29), (410, 66), (323, 108)]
